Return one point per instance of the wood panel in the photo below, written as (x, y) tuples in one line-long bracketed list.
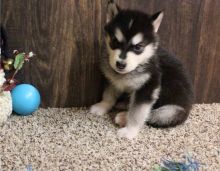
[(67, 37)]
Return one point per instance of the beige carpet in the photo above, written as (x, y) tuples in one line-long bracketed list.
[(71, 139)]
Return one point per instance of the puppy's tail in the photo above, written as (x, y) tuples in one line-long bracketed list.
[(167, 116)]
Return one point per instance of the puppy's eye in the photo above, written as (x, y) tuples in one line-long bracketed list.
[(138, 48)]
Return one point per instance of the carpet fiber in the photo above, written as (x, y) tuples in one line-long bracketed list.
[(72, 139)]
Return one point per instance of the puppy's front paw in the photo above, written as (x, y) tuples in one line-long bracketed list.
[(129, 133), (99, 108)]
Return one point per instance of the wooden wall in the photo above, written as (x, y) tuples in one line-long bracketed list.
[(67, 37)]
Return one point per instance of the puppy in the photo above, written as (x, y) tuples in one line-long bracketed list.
[(160, 93)]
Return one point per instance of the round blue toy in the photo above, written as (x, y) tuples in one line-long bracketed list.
[(25, 99)]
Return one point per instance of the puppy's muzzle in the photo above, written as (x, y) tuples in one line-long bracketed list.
[(120, 65)]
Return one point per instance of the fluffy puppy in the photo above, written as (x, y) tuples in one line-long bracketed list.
[(158, 86)]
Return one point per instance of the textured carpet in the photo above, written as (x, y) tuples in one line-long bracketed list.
[(72, 139)]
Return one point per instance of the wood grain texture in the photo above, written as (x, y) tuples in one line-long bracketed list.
[(67, 37)]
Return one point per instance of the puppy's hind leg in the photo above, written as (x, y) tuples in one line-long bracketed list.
[(121, 119)]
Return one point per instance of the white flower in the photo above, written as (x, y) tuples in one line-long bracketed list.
[(31, 54), (15, 51), (2, 77), (5, 100), (11, 81), (5, 106)]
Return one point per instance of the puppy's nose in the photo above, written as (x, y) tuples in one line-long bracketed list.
[(120, 65)]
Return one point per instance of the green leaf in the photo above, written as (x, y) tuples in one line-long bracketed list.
[(159, 168), (19, 61)]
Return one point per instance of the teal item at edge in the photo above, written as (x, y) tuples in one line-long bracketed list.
[(25, 99)]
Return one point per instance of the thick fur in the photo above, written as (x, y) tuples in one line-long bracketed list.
[(158, 86)]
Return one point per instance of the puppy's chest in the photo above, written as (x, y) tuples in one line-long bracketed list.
[(129, 84)]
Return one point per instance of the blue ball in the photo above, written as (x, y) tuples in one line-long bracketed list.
[(25, 99)]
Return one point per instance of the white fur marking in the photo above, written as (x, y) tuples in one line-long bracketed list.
[(137, 38), (135, 120), (169, 110), (113, 54), (128, 133), (139, 114), (166, 113), (119, 35), (136, 117), (129, 84), (113, 57), (100, 108), (156, 93), (133, 60), (108, 100)]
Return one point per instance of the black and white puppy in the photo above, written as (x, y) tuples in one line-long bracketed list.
[(159, 89)]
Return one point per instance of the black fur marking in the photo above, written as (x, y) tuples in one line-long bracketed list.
[(142, 23), (176, 87), (144, 94)]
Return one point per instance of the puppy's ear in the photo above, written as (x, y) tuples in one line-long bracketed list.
[(156, 20), (112, 10)]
